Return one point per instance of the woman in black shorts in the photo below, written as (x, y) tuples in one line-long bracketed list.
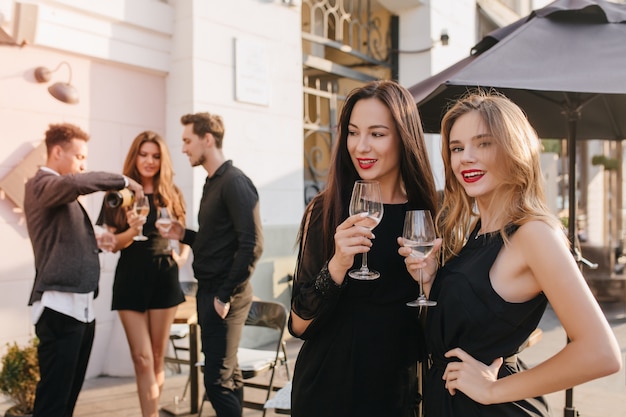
[(146, 290)]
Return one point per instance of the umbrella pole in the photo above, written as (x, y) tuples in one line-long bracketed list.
[(571, 199), (572, 119)]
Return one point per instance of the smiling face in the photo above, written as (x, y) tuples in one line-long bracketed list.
[(148, 160), (474, 156), (373, 142)]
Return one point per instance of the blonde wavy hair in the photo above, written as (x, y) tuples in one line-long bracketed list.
[(520, 195)]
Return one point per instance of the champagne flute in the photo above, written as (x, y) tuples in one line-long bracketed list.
[(419, 235), (366, 198), (104, 238), (164, 221), (142, 208)]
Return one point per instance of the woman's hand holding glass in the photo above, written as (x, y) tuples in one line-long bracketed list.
[(366, 200), (353, 236), (135, 221), (414, 264), (142, 208)]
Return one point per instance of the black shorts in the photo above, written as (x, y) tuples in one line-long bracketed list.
[(146, 284)]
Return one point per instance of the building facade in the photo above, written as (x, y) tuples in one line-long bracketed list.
[(276, 70)]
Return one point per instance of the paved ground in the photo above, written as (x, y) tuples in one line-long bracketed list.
[(606, 397)]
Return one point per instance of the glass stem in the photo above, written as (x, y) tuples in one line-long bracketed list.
[(364, 263), (422, 295)]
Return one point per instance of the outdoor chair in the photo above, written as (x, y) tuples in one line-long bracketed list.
[(178, 332)]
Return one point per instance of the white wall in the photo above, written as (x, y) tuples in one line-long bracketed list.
[(420, 28), (140, 64), (111, 115), (263, 140)]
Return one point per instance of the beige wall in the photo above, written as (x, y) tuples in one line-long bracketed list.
[(135, 71), (116, 103)]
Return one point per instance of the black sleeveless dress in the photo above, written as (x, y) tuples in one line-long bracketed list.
[(146, 276), (470, 314)]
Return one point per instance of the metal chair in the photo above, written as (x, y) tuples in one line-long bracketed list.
[(281, 402), (257, 361), (178, 332)]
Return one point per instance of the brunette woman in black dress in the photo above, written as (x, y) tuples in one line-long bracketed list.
[(361, 341)]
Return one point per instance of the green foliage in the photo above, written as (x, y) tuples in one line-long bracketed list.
[(610, 164), (19, 376), (552, 145)]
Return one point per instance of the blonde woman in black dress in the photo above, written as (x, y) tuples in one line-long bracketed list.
[(146, 289), (505, 257)]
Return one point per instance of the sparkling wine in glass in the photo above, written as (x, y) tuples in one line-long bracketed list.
[(164, 222), (104, 238), (142, 208), (366, 198), (419, 235)]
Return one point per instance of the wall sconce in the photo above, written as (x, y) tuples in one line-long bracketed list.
[(64, 92), (444, 39)]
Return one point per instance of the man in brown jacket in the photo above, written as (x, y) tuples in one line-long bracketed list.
[(67, 266)]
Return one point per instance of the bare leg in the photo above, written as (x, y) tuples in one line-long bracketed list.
[(136, 326), (160, 322)]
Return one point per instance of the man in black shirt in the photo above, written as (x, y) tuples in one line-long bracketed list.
[(226, 247)]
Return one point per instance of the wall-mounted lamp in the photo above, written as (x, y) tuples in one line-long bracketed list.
[(64, 92), (444, 38)]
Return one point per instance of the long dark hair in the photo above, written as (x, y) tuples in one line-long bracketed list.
[(415, 170)]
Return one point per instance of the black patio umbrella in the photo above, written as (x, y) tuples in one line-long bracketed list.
[(564, 65)]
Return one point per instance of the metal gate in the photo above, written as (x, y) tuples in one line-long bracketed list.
[(345, 44)]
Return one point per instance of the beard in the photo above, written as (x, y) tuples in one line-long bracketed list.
[(199, 161)]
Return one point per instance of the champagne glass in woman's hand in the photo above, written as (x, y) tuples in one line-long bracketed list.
[(164, 222), (366, 198), (419, 235), (142, 208)]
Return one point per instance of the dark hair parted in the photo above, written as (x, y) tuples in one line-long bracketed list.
[(204, 123), (62, 134), (415, 170)]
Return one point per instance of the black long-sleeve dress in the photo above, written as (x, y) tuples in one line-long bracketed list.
[(471, 315), (361, 351)]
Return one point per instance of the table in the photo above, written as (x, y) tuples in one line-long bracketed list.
[(187, 314)]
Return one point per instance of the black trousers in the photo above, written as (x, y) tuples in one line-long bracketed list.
[(220, 339), (64, 348)]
